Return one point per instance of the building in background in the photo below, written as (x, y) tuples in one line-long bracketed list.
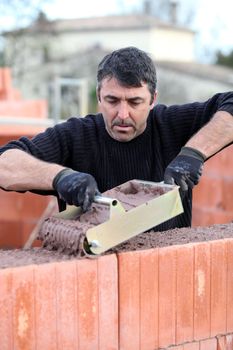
[(47, 51), (72, 48)]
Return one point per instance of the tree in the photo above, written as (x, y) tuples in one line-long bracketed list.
[(224, 59), (15, 14)]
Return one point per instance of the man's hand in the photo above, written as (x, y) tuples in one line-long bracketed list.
[(186, 169), (76, 188)]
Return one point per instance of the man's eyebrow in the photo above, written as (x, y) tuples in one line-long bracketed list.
[(131, 99), (111, 97), (136, 98)]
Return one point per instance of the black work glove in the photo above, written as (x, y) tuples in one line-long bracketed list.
[(186, 169), (76, 188)]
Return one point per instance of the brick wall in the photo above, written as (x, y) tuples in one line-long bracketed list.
[(213, 196), (19, 212), (177, 297)]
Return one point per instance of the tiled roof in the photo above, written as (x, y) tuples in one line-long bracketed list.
[(208, 71), (104, 23)]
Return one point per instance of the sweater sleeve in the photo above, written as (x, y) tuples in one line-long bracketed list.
[(53, 145), (178, 123)]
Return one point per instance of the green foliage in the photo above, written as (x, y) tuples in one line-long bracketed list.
[(225, 59), (92, 105)]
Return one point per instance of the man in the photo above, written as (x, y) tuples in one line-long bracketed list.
[(131, 138)]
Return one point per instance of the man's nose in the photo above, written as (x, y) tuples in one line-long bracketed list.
[(123, 111)]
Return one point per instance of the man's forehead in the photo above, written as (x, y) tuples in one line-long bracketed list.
[(112, 86)]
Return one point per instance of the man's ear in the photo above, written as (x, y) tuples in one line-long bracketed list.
[(153, 101), (98, 94)]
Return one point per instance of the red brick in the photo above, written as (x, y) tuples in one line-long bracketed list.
[(221, 342), (208, 344), (6, 310), (218, 287), (208, 193), (149, 299), (87, 291), (229, 341), (10, 234), (66, 302), (184, 298), (202, 291), (192, 346), (108, 302), (220, 163), (209, 216), (129, 300), (23, 108), (5, 80), (23, 308), (45, 294), (229, 247), (167, 296), (227, 190)]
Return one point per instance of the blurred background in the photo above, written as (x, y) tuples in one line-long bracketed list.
[(53, 47), (49, 52)]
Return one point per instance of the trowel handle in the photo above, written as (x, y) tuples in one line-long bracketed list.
[(105, 200)]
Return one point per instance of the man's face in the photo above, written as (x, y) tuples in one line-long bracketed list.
[(125, 109)]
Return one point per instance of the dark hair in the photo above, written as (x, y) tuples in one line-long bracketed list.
[(130, 66)]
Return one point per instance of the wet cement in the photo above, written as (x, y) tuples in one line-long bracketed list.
[(147, 240)]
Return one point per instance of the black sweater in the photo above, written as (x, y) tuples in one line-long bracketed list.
[(83, 144)]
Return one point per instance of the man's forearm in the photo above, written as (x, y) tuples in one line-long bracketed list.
[(213, 136), (20, 171)]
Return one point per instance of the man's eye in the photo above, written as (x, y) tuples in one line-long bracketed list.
[(134, 103), (112, 102)]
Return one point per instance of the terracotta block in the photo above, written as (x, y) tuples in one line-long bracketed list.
[(167, 296), (6, 310), (23, 301), (129, 300), (22, 108), (208, 193), (208, 344), (5, 80), (65, 305), (19, 215), (149, 299), (192, 346), (184, 298), (32, 205), (227, 189), (65, 297), (17, 131), (201, 291), (45, 288), (218, 287), (88, 310), (11, 204), (10, 234), (229, 341), (229, 248), (220, 163), (108, 302), (209, 216), (97, 308), (221, 342)]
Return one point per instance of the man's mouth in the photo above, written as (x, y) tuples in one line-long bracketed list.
[(122, 126)]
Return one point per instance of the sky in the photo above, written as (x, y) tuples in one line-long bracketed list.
[(211, 20)]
